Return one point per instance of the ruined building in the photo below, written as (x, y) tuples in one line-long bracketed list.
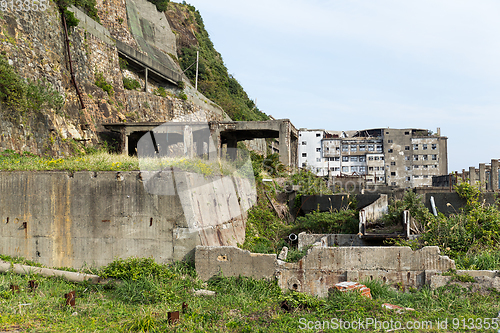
[(383, 156)]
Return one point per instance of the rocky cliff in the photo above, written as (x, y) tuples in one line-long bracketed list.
[(33, 44)]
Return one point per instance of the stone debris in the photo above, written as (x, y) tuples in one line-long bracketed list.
[(350, 285), (204, 292), (283, 254), (399, 309)]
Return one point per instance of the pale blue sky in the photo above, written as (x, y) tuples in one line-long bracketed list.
[(347, 65)]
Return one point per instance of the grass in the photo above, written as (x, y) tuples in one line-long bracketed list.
[(240, 305)]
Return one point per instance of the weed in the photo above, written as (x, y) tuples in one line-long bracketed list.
[(131, 84), (101, 82)]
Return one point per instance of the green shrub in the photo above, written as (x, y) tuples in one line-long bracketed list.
[(161, 5), (136, 268), (183, 96), (131, 84), (341, 222), (101, 82), (123, 63), (160, 91), (181, 85)]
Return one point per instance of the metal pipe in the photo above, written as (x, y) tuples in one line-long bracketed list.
[(70, 276), (70, 61)]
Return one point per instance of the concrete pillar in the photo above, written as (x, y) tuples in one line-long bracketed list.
[(232, 144), (494, 175), (188, 141), (482, 175), (284, 137), (472, 175), (146, 79), (215, 134)]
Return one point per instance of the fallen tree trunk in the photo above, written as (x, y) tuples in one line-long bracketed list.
[(70, 276)]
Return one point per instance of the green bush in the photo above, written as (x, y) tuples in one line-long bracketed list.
[(136, 268), (341, 222), (181, 85), (131, 84), (160, 91), (101, 82), (161, 5), (183, 96), (123, 63)]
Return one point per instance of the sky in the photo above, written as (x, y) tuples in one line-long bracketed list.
[(358, 64)]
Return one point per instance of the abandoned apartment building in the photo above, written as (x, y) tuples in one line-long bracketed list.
[(382, 156), (487, 175)]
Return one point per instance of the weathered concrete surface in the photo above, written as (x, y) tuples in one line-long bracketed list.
[(326, 203), (325, 240), (63, 219), (232, 261), (323, 267), (482, 279)]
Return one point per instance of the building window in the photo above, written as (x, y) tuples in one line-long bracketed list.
[(407, 168), (337, 148), (426, 176), (407, 133), (389, 151), (386, 132), (416, 176), (407, 179), (318, 150), (381, 158), (371, 147), (434, 157), (345, 158), (415, 167), (362, 169), (415, 147), (345, 148), (407, 158), (393, 173), (393, 163), (381, 168), (393, 183), (434, 146), (390, 141), (379, 147), (318, 159), (377, 158), (370, 158), (304, 154), (424, 157), (415, 157), (370, 169), (345, 169), (362, 158), (318, 135), (303, 165), (304, 143), (354, 158), (407, 147), (362, 147), (354, 169), (354, 147), (425, 166), (424, 146)]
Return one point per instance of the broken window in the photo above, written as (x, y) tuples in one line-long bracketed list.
[(381, 158), (390, 151), (318, 135), (345, 158), (393, 183), (381, 168), (345, 169), (434, 146), (425, 166), (407, 179), (345, 148), (362, 147), (354, 169), (393, 173), (415, 157), (407, 158), (370, 158), (424, 157), (416, 176), (318, 159), (415, 167), (303, 165), (426, 176), (362, 158), (390, 141), (379, 147), (370, 169), (354, 147), (415, 147), (304, 154), (434, 157), (304, 143), (371, 147), (318, 150), (393, 163), (424, 146), (407, 133), (407, 168), (407, 147), (362, 169)]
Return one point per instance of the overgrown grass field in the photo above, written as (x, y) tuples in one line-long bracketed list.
[(146, 291)]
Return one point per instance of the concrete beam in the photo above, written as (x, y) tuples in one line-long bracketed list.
[(472, 175)]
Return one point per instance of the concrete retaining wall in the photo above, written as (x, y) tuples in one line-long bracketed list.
[(63, 219)]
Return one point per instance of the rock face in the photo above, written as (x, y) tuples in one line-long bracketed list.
[(34, 44)]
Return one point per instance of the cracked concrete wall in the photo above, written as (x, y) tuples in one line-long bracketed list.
[(71, 219)]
